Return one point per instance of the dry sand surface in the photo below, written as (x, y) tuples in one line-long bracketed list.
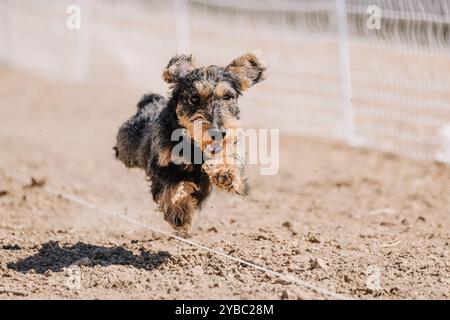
[(330, 216)]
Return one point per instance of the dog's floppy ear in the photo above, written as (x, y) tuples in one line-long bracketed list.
[(178, 67), (249, 68)]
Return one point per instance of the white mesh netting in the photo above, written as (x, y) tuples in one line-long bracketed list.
[(330, 75)]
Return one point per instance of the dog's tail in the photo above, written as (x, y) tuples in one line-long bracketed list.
[(150, 102)]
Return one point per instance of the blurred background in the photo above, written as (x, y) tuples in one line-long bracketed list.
[(335, 70), (360, 91)]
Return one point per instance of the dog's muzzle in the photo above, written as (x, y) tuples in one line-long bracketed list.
[(214, 147), (217, 136)]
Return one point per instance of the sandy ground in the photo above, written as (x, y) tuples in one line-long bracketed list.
[(333, 216)]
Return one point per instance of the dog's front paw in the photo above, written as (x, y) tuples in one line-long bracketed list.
[(222, 177), (241, 187), (226, 177)]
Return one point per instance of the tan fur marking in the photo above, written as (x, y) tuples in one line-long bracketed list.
[(166, 75), (183, 120), (230, 122), (249, 68), (204, 88), (223, 88), (179, 66), (182, 191), (165, 157), (200, 136)]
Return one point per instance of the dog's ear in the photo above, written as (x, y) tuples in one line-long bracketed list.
[(178, 67), (249, 68)]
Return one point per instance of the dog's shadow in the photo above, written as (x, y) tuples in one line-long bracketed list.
[(55, 258)]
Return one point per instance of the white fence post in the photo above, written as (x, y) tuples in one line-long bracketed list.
[(83, 42), (443, 154), (5, 29), (182, 26), (345, 71)]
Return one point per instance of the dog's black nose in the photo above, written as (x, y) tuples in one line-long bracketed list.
[(217, 134)]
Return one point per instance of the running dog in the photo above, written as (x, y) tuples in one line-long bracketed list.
[(202, 108)]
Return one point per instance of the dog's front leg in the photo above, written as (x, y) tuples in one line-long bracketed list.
[(226, 175)]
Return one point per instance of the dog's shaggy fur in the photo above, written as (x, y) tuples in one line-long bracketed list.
[(206, 97)]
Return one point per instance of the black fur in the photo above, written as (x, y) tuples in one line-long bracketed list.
[(150, 129)]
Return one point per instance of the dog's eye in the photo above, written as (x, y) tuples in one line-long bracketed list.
[(227, 97), (194, 100)]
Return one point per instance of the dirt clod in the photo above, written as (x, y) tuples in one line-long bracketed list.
[(213, 229), (287, 224), (317, 263), (286, 295), (36, 183), (312, 238), (11, 247)]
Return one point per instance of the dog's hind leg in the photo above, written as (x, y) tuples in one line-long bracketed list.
[(178, 204)]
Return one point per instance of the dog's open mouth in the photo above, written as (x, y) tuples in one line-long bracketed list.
[(214, 147)]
